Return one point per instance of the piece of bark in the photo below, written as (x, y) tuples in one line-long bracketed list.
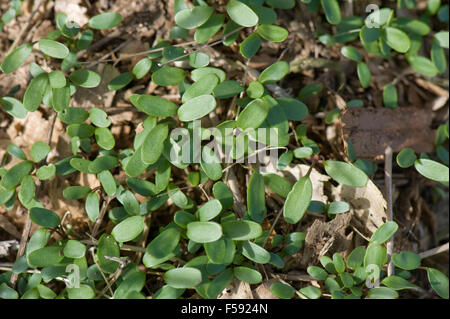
[(371, 130), (325, 238)]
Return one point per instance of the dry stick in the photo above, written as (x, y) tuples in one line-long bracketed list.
[(21, 33), (27, 227), (120, 46), (100, 217), (196, 48), (434, 251), (388, 185)]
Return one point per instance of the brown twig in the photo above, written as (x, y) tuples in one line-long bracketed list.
[(24, 29), (388, 186)]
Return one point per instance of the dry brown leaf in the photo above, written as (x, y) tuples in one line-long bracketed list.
[(371, 130)]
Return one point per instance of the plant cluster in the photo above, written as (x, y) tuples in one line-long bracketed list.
[(221, 242)]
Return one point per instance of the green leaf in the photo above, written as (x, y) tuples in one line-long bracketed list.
[(209, 29), (406, 260), (317, 273), (153, 145), (57, 79), (106, 20), (442, 39), (364, 75), (197, 74), (253, 115), (76, 192), (7, 292), (120, 81), (128, 229), (44, 217), (185, 277), (255, 252), (281, 4), (375, 255), (16, 58), (74, 249), (351, 53), (248, 275), (73, 115), (250, 46), (13, 107), (228, 89), (338, 263), (282, 291), (168, 76), (221, 251), (242, 14), (272, 33), (104, 137), (356, 257), (35, 92), (46, 172), (85, 39), (432, 170), (256, 200), (99, 117), (194, 17), (54, 49), (85, 78), (241, 230), (255, 90), (384, 232), (438, 281), (209, 210), (16, 151), (423, 65), (335, 208), (15, 175), (379, 18), (298, 200), (332, 11), (46, 256), (397, 39), (163, 245), (142, 68), (278, 184), (198, 59), (39, 151), (196, 108), (294, 109), (107, 246), (27, 190), (438, 57), (390, 96), (303, 152), (223, 194), (204, 232), (346, 174), (398, 283), (156, 106), (108, 182), (83, 292), (310, 90), (92, 206), (274, 73), (311, 292), (203, 86), (382, 293)]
